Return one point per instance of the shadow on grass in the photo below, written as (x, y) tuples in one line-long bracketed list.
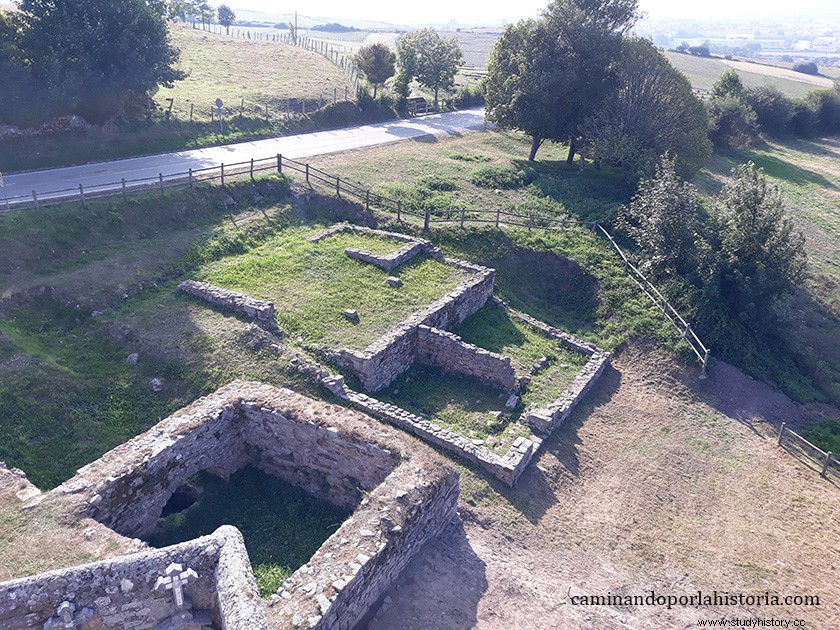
[(784, 170)]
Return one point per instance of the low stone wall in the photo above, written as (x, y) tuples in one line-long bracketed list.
[(349, 227), (547, 418), (507, 467), (122, 593), (448, 352), (404, 493), (238, 302), (378, 365), (390, 261)]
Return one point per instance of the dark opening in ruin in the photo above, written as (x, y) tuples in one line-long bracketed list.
[(282, 524), (181, 499)]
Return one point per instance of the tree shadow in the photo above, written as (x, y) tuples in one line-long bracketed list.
[(440, 588), (789, 172)]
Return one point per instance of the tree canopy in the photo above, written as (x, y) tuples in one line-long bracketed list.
[(93, 55), (377, 62), (435, 59), (226, 16), (545, 76), (652, 111)]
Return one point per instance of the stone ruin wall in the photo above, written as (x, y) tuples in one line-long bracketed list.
[(410, 494), (448, 352), (238, 302), (120, 593), (390, 261), (128, 487), (378, 365)]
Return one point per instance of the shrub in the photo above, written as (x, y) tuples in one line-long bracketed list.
[(803, 120), (773, 109), (468, 157), (826, 106), (807, 67), (732, 123), (436, 182), (497, 177), (825, 434), (468, 96)]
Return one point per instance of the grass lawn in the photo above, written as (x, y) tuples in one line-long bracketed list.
[(494, 329), (703, 72), (219, 67), (282, 524), (458, 403), (313, 283)]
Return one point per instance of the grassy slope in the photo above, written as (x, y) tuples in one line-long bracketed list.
[(313, 283), (219, 67), (807, 173), (704, 71)]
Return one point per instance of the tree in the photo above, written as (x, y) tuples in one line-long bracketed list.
[(652, 111), (732, 123), (205, 13), (436, 59), (226, 17), (762, 257), (377, 63), (407, 63), (545, 76), (122, 51), (773, 109), (663, 220), (729, 85)]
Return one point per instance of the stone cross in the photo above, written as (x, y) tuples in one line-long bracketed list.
[(175, 579), (66, 620)]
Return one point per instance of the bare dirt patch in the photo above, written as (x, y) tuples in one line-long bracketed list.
[(659, 481)]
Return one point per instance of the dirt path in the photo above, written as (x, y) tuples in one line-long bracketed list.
[(660, 482)]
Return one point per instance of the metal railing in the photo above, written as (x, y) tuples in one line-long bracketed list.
[(798, 445)]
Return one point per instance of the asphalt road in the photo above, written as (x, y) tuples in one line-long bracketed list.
[(47, 182)]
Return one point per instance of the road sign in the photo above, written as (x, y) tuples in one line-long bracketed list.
[(219, 103)]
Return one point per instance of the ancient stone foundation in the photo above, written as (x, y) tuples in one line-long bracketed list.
[(121, 593), (403, 494), (237, 302), (378, 365)]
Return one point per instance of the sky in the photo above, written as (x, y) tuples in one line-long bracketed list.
[(493, 11)]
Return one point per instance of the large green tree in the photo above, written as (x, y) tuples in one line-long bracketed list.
[(93, 55), (377, 62), (226, 17), (652, 111), (435, 59), (762, 255), (546, 75)]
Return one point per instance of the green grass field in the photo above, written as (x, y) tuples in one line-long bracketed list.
[(282, 525), (262, 73), (313, 283), (703, 72)]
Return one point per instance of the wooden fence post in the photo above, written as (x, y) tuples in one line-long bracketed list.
[(82, 194), (35, 198), (160, 178), (279, 163), (781, 434), (123, 187), (826, 463), (242, 107), (338, 186), (399, 211), (222, 171), (191, 111), (498, 215), (252, 169), (367, 201), (463, 211), (426, 219), (335, 95), (307, 175)]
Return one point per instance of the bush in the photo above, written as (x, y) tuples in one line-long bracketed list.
[(468, 96), (803, 120), (436, 182), (824, 434), (505, 177), (826, 106), (468, 157), (732, 123), (773, 109), (807, 67)]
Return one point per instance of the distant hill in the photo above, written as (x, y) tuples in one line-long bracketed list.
[(308, 21)]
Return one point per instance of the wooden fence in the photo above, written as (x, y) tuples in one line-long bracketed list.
[(794, 443), (343, 188)]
